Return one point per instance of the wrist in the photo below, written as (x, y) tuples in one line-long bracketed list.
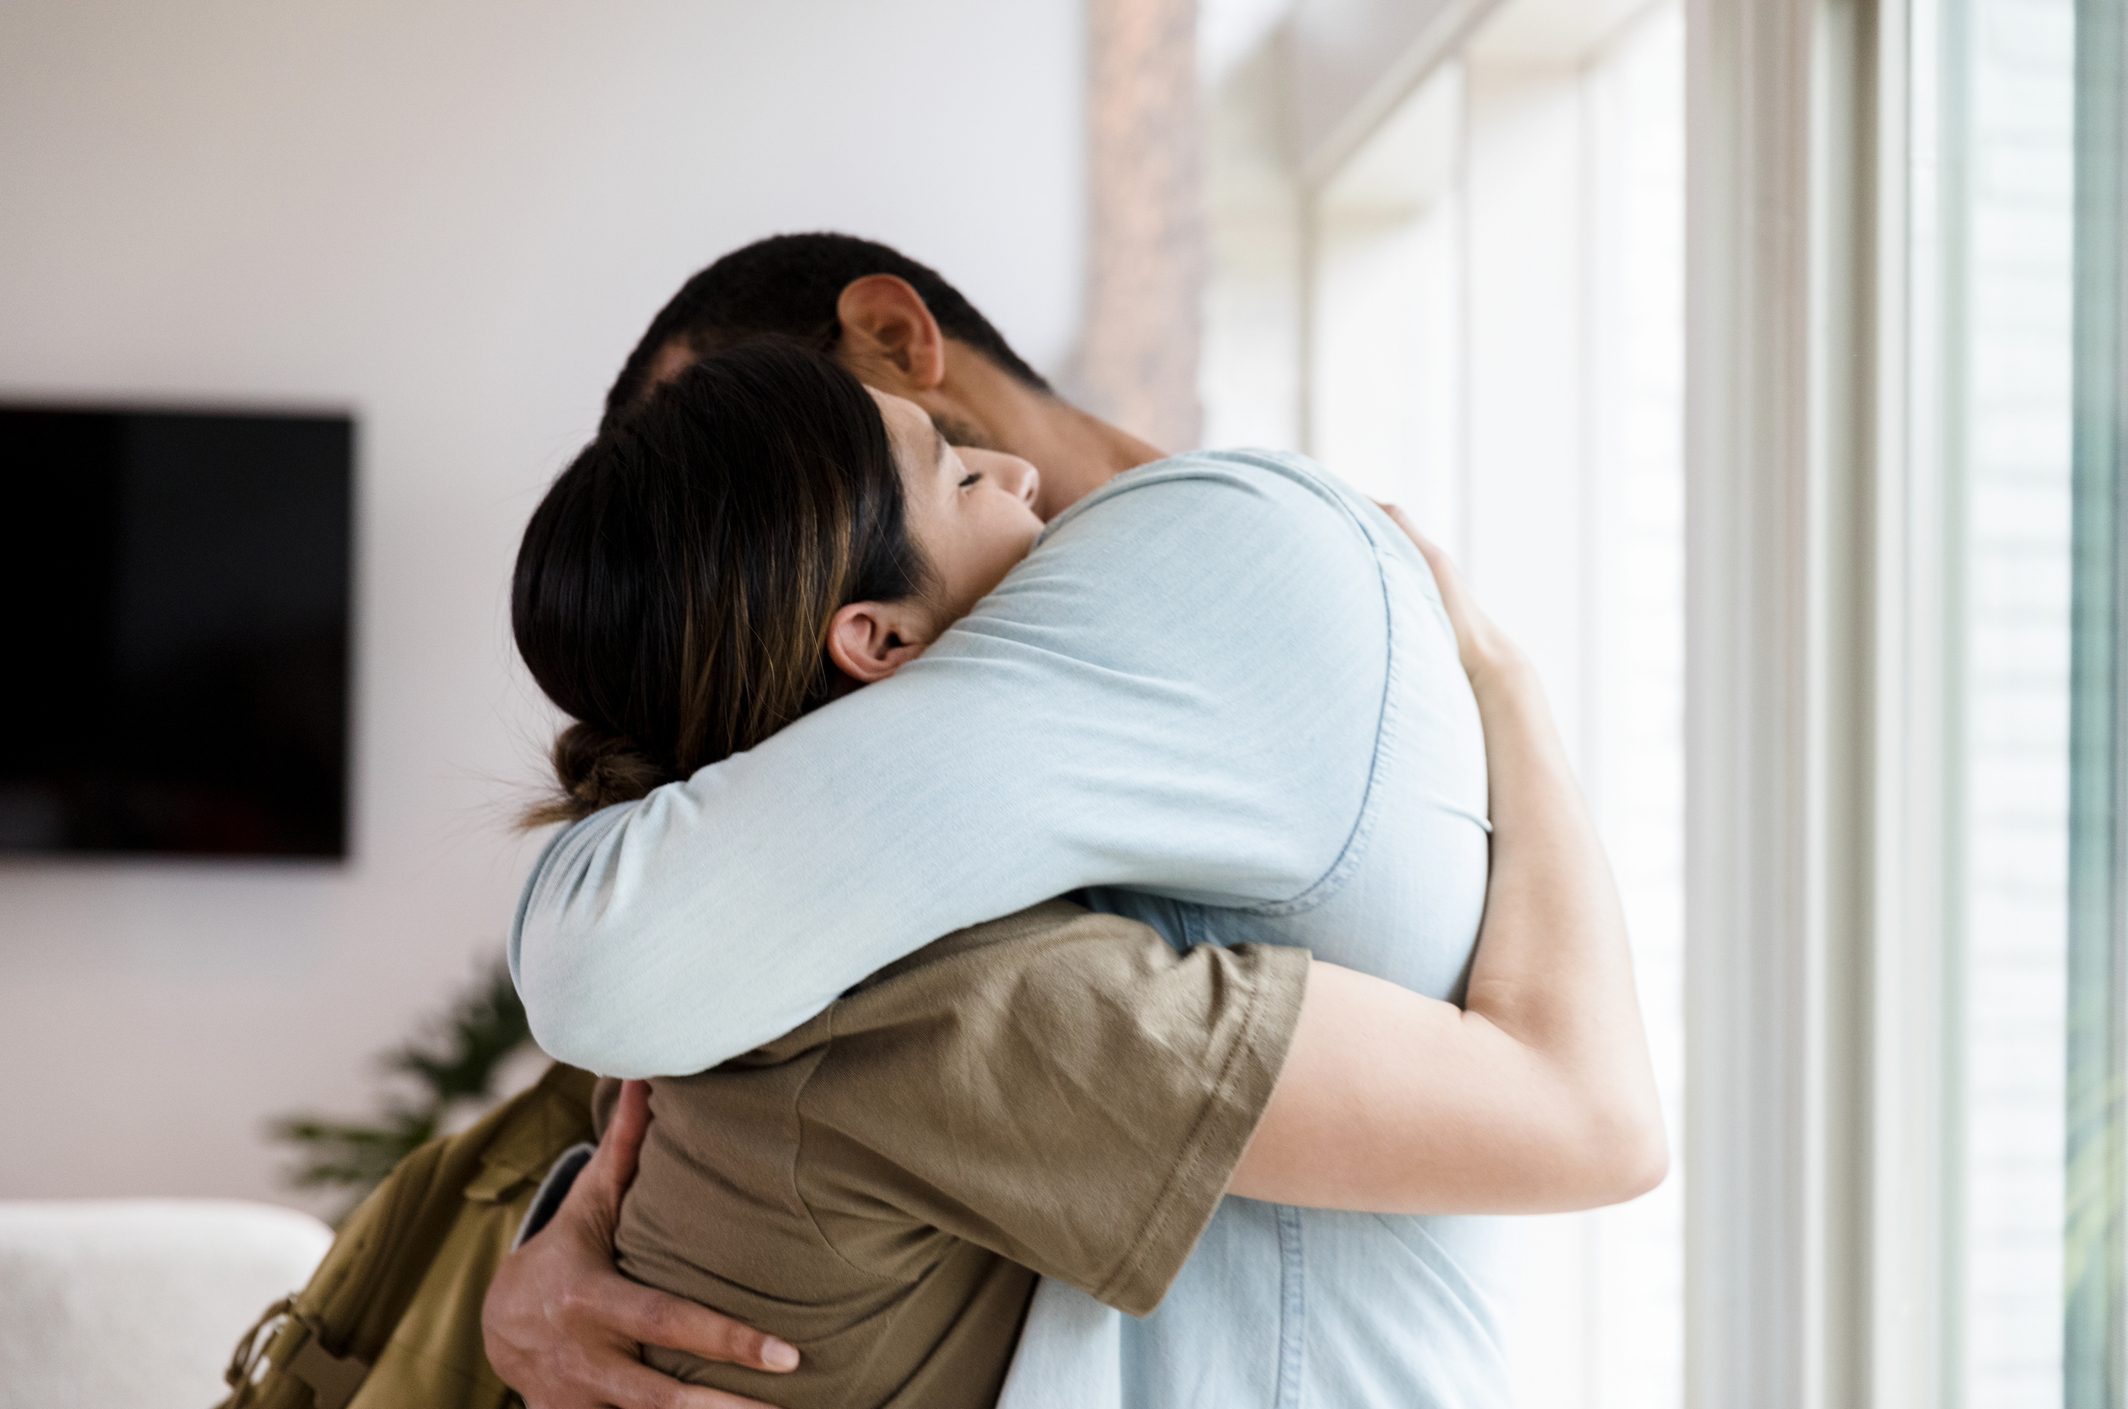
[(1501, 673)]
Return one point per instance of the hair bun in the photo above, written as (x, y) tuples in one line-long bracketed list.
[(596, 768)]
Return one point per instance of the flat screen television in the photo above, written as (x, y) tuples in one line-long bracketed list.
[(177, 591)]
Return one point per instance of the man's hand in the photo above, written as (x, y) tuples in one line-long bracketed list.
[(565, 1329)]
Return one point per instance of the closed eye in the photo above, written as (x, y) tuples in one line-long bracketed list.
[(973, 476)]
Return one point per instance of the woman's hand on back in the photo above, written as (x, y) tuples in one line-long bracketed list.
[(1485, 651), (1537, 1094), (566, 1330)]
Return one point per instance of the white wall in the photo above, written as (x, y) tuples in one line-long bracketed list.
[(454, 218), (2010, 306)]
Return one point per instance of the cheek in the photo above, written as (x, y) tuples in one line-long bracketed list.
[(1008, 541), (985, 548), (967, 572)]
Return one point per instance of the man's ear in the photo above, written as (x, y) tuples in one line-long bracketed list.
[(868, 641), (888, 324)]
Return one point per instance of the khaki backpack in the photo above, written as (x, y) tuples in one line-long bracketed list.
[(391, 1318)]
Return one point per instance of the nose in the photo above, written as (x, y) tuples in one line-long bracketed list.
[(1030, 480)]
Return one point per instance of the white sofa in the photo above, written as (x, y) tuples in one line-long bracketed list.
[(136, 1304)]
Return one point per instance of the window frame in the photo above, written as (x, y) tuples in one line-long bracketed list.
[(2095, 1357), (1819, 1132)]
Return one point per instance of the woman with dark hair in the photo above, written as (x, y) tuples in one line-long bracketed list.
[(740, 550), (1059, 1092)]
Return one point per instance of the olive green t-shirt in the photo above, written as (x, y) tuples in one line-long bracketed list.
[(1057, 1093)]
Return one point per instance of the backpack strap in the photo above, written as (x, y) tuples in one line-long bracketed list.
[(244, 1363), (294, 1348), (388, 1249), (333, 1379)]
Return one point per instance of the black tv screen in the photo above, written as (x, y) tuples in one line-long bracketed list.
[(177, 589)]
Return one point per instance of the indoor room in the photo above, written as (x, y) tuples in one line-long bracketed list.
[(1451, 675)]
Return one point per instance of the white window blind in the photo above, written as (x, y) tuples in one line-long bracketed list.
[(2009, 114)]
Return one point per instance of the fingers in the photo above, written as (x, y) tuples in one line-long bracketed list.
[(1428, 549), (1445, 577), (1479, 642), (653, 1318), (1398, 517), (612, 1169), (631, 1122), (634, 1386), (1443, 568)]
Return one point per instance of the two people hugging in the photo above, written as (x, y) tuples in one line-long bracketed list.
[(1100, 927)]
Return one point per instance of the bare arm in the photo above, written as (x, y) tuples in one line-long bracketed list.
[(1537, 1095)]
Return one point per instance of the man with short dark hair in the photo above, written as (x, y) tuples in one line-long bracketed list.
[(1221, 696), (789, 286), (866, 304)]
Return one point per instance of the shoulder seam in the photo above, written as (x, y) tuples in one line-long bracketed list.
[(1341, 866), (1214, 467), (1316, 485)]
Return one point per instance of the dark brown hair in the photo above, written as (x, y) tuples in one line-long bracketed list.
[(674, 589), (788, 286)]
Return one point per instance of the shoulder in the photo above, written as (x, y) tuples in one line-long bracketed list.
[(1204, 566), (1239, 488)]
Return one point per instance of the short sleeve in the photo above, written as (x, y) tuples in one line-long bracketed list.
[(1074, 1097), (1179, 691)]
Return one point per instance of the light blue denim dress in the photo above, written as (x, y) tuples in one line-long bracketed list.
[(1220, 696)]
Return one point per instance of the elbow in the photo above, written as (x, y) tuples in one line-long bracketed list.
[(631, 1009), (1643, 1163), (1627, 1154), (1606, 1140), (572, 1000), (582, 1036), (568, 1040), (562, 1027)]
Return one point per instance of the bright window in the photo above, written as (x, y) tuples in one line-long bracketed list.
[(1995, 291), (1494, 339), (1909, 613)]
